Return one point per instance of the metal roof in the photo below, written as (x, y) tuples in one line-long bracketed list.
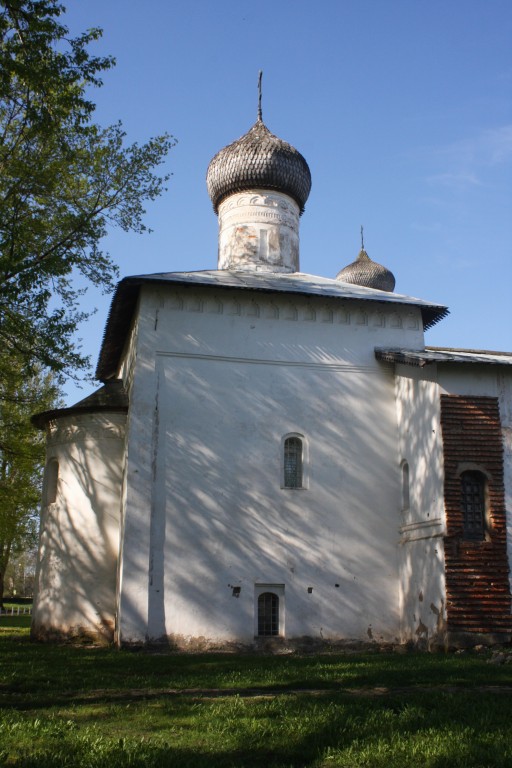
[(110, 397), (125, 300), (430, 355)]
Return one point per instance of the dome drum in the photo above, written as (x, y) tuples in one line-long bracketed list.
[(259, 230), (259, 185)]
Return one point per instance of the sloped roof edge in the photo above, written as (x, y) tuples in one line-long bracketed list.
[(430, 355), (110, 397)]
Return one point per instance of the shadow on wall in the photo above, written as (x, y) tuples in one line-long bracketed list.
[(79, 537), (421, 554), (221, 517)]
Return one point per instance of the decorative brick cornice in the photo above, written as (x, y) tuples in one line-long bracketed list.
[(309, 311)]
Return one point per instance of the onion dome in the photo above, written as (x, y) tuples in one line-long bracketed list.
[(364, 271), (258, 160)]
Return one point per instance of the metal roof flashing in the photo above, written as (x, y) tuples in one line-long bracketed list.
[(111, 397), (126, 295), (438, 355)]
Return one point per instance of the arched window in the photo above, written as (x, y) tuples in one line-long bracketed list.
[(268, 614), (292, 462), (405, 486), (472, 502), (52, 478)]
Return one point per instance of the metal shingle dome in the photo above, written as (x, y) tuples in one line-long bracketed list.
[(258, 160), (364, 271)]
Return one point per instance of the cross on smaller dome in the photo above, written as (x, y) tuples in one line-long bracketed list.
[(364, 271)]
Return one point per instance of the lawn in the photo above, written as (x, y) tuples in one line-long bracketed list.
[(90, 707), (17, 617)]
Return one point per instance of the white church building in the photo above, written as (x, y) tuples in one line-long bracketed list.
[(275, 457)]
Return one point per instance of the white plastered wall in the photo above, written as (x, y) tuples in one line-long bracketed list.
[(421, 552), (221, 377), (79, 536), (126, 373), (259, 230)]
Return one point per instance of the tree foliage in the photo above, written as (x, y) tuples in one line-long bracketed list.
[(22, 457), (64, 180)]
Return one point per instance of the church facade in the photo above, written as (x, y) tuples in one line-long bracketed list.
[(276, 456)]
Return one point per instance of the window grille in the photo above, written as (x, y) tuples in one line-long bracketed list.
[(293, 462), (473, 486), (268, 614)]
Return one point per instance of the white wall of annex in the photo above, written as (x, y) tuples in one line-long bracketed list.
[(79, 534), (421, 552)]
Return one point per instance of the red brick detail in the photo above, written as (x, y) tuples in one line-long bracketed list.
[(477, 572)]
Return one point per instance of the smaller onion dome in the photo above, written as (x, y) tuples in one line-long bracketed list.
[(364, 271), (258, 160)]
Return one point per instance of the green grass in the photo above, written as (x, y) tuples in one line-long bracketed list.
[(12, 624), (82, 706)]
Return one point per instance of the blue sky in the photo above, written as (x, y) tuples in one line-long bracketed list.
[(402, 108)]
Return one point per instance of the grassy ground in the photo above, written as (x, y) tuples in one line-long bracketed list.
[(95, 707), (10, 624)]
